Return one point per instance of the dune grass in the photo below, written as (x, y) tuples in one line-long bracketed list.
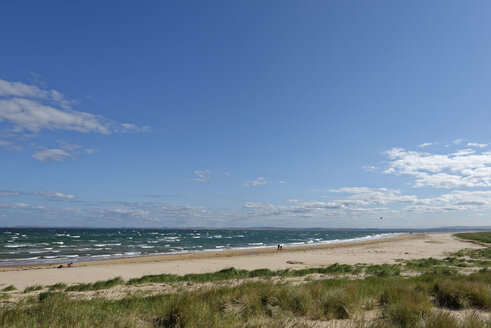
[(483, 237), (383, 270), (58, 286), (233, 273), (462, 293), (9, 288), (403, 302), (102, 284), (32, 288)]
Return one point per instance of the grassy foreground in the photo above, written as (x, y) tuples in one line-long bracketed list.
[(418, 293)]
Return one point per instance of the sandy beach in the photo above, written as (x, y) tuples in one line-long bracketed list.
[(406, 246)]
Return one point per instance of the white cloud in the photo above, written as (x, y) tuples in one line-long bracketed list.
[(54, 194), (426, 144), (464, 168), (363, 202), (282, 182), (370, 168), (9, 193), (209, 175), (64, 151), (9, 145), (347, 204), (255, 183), (91, 150), (202, 176), (19, 89), (26, 110), (14, 205), (373, 196), (457, 200), (31, 115), (474, 144), (53, 154)]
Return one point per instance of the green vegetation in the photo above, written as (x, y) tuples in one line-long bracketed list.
[(9, 288), (232, 273), (405, 306), (483, 237), (384, 270), (403, 302), (102, 284), (32, 288), (462, 293), (58, 286)]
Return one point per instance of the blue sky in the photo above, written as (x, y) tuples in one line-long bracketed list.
[(251, 113)]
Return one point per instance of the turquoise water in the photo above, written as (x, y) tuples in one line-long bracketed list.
[(34, 246)]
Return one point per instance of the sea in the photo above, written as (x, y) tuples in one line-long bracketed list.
[(58, 245)]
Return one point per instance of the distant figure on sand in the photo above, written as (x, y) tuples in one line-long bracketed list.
[(70, 264), (60, 266), (278, 246)]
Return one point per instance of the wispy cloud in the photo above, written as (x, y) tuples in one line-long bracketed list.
[(463, 168), (48, 194), (255, 182), (370, 168), (426, 144), (53, 154), (201, 176), (62, 152), (209, 175), (54, 194), (9, 193), (479, 145)]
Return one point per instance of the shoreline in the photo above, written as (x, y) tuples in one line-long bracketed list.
[(378, 251), (210, 253)]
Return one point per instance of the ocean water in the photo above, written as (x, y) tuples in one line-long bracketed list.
[(45, 245)]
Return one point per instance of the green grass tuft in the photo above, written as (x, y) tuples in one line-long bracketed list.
[(32, 288), (384, 270), (102, 284), (58, 286), (9, 288)]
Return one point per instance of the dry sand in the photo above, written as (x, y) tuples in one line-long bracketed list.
[(407, 246)]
